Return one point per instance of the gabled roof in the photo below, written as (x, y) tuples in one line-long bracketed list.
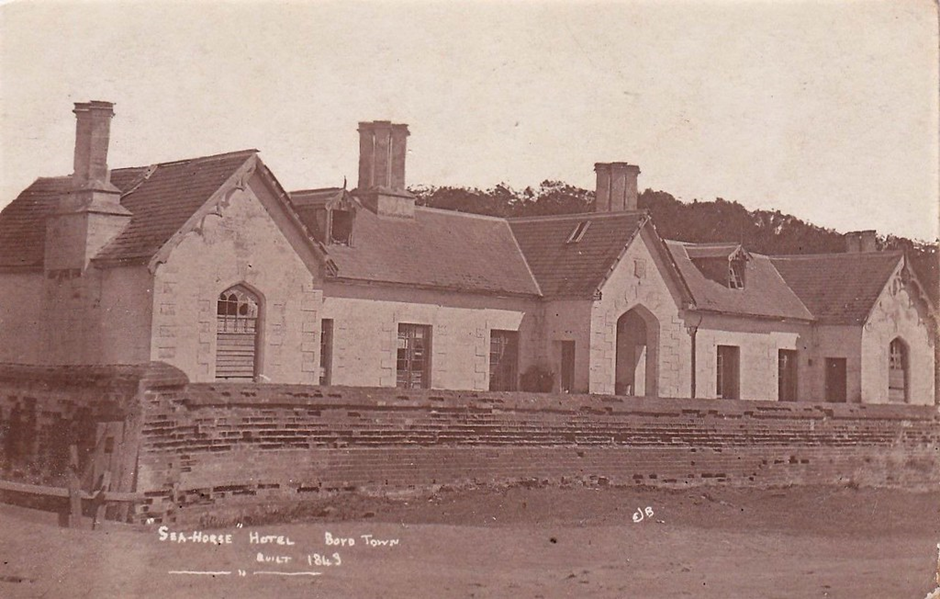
[(161, 197), (838, 288), (579, 268), (439, 249), (765, 293)]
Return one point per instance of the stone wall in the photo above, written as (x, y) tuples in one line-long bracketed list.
[(239, 243), (365, 332), (45, 409)]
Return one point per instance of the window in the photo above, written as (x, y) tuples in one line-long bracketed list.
[(897, 371), (341, 225), (504, 360), (237, 335), (836, 388), (326, 351), (579, 231), (727, 384), (414, 356), (736, 273), (787, 375)]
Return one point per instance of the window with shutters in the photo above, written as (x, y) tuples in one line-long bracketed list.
[(897, 371), (414, 356), (237, 335), (504, 360)]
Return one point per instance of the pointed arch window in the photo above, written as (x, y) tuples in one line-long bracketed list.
[(238, 314), (898, 363)]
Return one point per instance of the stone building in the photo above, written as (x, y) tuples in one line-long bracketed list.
[(208, 264)]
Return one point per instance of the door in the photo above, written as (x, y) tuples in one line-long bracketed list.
[(504, 360), (835, 380), (728, 372), (414, 356), (567, 366), (786, 375)]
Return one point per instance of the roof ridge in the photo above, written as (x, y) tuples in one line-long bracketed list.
[(195, 158), (461, 213), (576, 215), (314, 190), (892, 253)]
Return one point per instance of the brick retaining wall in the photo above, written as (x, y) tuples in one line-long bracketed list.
[(205, 449), (215, 444)]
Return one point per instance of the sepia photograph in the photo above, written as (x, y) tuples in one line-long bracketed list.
[(480, 299)]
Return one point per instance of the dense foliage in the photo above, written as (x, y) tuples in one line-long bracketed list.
[(761, 231)]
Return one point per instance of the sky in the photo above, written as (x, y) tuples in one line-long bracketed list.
[(825, 110)]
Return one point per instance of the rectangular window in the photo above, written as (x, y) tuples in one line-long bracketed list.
[(326, 351), (414, 356), (836, 380), (787, 375), (341, 225), (567, 366), (504, 360), (579, 231), (728, 372), (736, 273)]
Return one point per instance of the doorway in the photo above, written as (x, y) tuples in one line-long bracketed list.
[(787, 382), (836, 388), (567, 367), (637, 353)]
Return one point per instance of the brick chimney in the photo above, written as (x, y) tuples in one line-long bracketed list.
[(382, 153), (861, 241), (91, 214), (616, 186)]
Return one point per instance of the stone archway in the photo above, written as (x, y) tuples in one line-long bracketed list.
[(637, 369)]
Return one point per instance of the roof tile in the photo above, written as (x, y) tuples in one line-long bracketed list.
[(838, 288), (578, 269)]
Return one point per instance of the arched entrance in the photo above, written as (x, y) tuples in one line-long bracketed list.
[(897, 371), (637, 371), (236, 357)]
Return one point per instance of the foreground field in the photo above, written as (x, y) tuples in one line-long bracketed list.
[(518, 542)]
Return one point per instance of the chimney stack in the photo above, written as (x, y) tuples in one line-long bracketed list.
[(861, 241), (92, 135), (91, 214), (616, 186), (382, 153)]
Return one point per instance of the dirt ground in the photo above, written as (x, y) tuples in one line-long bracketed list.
[(517, 542)]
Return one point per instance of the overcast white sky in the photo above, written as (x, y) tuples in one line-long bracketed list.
[(827, 110)]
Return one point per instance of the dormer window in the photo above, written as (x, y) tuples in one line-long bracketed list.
[(736, 272), (341, 225), (723, 263), (579, 231)]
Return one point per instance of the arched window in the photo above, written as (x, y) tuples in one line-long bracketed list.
[(897, 371), (237, 335)]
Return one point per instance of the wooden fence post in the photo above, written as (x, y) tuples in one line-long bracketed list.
[(99, 501), (75, 489)]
